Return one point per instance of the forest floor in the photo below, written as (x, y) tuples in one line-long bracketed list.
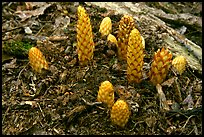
[(62, 100)]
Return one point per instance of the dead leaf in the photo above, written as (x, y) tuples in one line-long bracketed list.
[(63, 76), (30, 5), (169, 82), (170, 129), (53, 69), (32, 103), (198, 102), (5, 57), (72, 63), (27, 30), (189, 101), (197, 86), (177, 90), (122, 92), (28, 14), (151, 121), (57, 38), (162, 98), (78, 109), (10, 65), (62, 21), (110, 12)]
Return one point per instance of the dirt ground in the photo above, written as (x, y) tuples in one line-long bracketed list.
[(62, 100)]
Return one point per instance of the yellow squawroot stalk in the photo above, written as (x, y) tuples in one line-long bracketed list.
[(179, 63), (126, 25), (135, 55), (106, 93), (120, 113), (37, 60), (105, 27), (160, 66), (112, 39), (85, 43)]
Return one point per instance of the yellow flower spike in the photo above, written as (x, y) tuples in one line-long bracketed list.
[(120, 113), (105, 26), (85, 43), (160, 66), (135, 55), (126, 25), (112, 39), (179, 63), (106, 93), (37, 60)]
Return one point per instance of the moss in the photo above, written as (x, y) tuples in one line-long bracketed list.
[(18, 49)]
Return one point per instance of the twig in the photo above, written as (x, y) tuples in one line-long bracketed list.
[(191, 72), (185, 113), (195, 127), (41, 110), (22, 71), (56, 130), (5, 114), (14, 28), (39, 31), (91, 104), (101, 108), (41, 124), (56, 125), (139, 122), (190, 132), (17, 83), (178, 91), (77, 110), (182, 129), (47, 90)]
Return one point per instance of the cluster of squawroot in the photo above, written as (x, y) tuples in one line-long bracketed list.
[(119, 112), (130, 46)]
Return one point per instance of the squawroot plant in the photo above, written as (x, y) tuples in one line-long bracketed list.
[(106, 93), (120, 113), (179, 64), (85, 43), (112, 39), (37, 60), (135, 55), (126, 25), (105, 27), (160, 66), (130, 45)]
